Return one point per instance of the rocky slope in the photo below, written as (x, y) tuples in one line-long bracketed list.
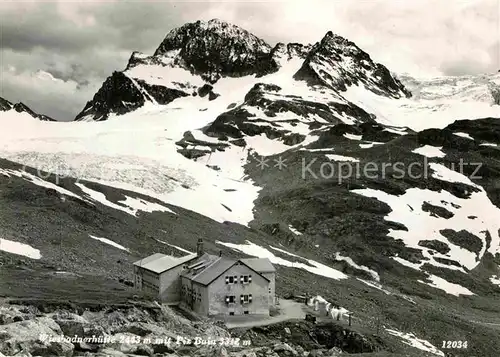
[(146, 329)]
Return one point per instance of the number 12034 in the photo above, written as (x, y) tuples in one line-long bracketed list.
[(454, 344)]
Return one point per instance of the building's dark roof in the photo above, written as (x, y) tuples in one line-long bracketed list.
[(159, 263), (213, 271), (260, 265), (200, 263), (209, 267)]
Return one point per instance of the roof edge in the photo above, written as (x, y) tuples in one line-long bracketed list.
[(236, 261), (194, 256)]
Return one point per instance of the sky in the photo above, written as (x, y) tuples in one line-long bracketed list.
[(56, 54)]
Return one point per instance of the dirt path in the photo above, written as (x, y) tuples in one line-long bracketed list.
[(289, 310)]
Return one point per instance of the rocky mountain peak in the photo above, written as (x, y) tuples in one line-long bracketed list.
[(213, 49), (336, 43), (5, 105), (213, 31), (21, 107), (118, 94), (216, 48), (339, 63)]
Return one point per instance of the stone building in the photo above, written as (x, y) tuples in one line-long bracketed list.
[(210, 285)]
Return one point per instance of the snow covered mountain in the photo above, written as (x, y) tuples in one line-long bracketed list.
[(196, 57), (264, 151), (7, 108)]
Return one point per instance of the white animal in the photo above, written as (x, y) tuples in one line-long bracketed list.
[(326, 308)]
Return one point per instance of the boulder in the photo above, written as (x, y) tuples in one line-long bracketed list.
[(214, 332), (70, 324), (7, 315), (334, 352), (40, 336), (86, 347), (95, 330), (316, 353), (284, 349), (300, 350)]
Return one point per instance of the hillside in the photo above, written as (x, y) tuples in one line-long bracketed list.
[(380, 193)]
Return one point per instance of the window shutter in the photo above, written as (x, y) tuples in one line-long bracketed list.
[(249, 278), (241, 299), (227, 299), (227, 280), (241, 279), (250, 298), (236, 279)]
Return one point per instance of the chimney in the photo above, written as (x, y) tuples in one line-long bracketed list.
[(199, 247)]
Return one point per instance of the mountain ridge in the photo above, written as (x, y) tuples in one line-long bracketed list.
[(216, 49), (20, 107)]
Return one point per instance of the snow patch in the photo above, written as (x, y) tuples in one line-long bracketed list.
[(495, 280), (137, 204), (174, 246), (369, 144), (13, 247), (294, 231), (351, 262), (413, 341), (130, 205), (334, 157), (464, 135), (430, 151), (317, 150), (312, 266), (435, 281), (375, 285), (110, 242), (450, 288), (352, 136), (443, 173), (40, 182)]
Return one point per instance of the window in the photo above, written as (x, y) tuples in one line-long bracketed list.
[(246, 279), (269, 290), (245, 312), (245, 299), (231, 313), (230, 299), (231, 279)]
